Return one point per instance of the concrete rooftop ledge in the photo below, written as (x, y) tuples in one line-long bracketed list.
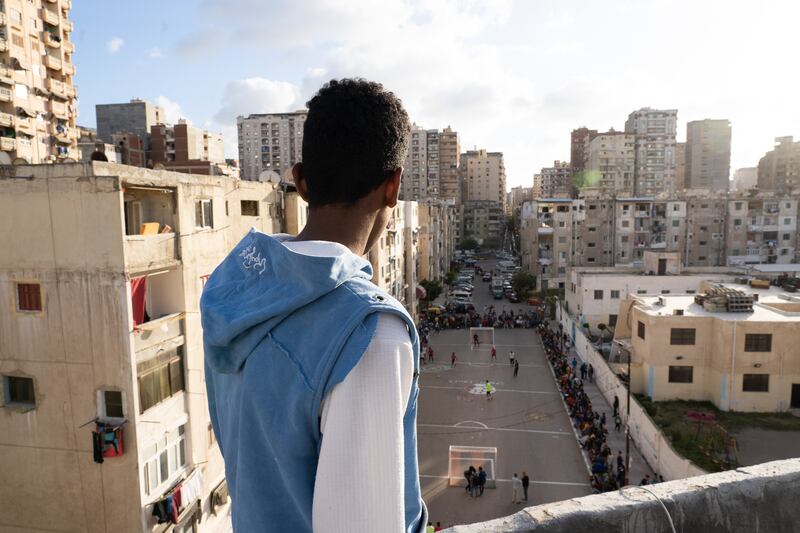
[(761, 498)]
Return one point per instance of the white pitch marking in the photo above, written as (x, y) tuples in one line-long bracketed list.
[(482, 385), (513, 430), (481, 424)]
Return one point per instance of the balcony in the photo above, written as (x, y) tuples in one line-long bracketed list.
[(168, 329), (50, 17), (53, 63), (6, 95), (3, 45), (70, 90), (66, 24), (24, 125), (147, 253), (56, 87), (61, 133), (3, 19), (545, 230), (7, 119), (52, 40), (8, 144), (68, 46), (69, 69), (59, 110)]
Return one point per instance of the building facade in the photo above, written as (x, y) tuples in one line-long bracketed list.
[(436, 243), (271, 142), (708, 155), (779, 169), (745, 179), (579, 142), (37, 91), (610, 163), (431, 168), (184, 148), (555, 181), (680, 166), (133, 118), (740, 361), (101, 326), (655, 131), (761, 229)]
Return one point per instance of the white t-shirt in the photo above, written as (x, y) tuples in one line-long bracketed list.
[(360, 476)]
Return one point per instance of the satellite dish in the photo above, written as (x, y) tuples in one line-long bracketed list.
[(270, 176), (5, 159)]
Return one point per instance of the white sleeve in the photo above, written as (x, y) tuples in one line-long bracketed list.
[(360, 476)]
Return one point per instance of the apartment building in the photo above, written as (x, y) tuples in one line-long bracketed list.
[(185, 148), (449, 161), (90, 146), (104, 408), (484, 221), (642, 224), (680, 166), (779, 169), (708, 155), (579, 142), (555, 181), (516, 197), (136, 117), (484, 176), (610, 163), (593, 231), (744, 179), (761, 229), (594, 294), (688, 347), (546, 240), (655, 131), (431, 168), (37, 93), (436, 243), (394, 258), (704, 243), (270, 142)]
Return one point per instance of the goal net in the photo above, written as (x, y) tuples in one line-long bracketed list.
[(460, 458), (483, 336)]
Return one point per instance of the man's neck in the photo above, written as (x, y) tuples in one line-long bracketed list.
[(338, 225)]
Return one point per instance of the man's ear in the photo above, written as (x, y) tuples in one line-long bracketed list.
[(300, 181), (392, 190)]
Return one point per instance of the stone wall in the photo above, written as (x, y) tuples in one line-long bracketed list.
[(761, 498)]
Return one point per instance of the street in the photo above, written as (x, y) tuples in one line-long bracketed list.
[(526, 421)]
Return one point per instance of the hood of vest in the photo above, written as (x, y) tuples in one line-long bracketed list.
[(257, 286)]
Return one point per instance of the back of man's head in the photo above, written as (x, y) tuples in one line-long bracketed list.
[(355, 137)]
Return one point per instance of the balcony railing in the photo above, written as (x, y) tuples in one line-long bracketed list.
[(66, 24), (3, 45), (145, 253), (50, 17), (7, 119), (69, 69), (52, 40), (7, 144), (6, 95), (52, 63), (56, 87), (167, 329), (68, 46)]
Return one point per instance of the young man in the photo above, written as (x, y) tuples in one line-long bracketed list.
[(516, 368), (494, 353), (526, 481), (311, 370), (489, 389), (516, 489)]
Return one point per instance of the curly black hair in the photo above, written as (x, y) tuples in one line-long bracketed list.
[(355, 136)]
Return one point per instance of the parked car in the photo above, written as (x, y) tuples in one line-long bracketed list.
[(497, 293), (461, 294), (513, 297), (535, 301)]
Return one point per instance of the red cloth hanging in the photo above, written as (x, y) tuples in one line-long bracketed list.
[(138, 295)]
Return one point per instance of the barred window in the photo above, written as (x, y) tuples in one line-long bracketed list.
[(758, 342), (682, 336), (755, 383), (681, 374)]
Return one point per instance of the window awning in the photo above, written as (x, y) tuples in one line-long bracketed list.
[(27, 112), (21, 64)]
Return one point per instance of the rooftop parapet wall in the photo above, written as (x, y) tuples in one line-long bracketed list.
[(761, 498)]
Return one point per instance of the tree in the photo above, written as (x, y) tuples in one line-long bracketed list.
[(468, 244), (523, 282), (450, 277), (432, 288)]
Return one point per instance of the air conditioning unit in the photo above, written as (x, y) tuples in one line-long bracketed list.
[(678, 312)]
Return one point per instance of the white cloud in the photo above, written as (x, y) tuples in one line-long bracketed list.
[(114, 44), (172, 110), (518, 76), (155, 53)]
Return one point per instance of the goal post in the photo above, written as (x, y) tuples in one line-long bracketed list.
[(485, 338), (460, 458)]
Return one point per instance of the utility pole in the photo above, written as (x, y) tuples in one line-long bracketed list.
[(628, 428)]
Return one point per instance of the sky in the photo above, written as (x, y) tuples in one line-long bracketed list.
[(514, 76)]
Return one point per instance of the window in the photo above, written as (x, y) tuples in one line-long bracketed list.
[(612, 320), (758, 342), (737, 221), (18, 391), (615, 295), (159, 378), (17, 40), (640, 329), (164, 460), (676, 223), (624, 238), (682, 336), (641, 291), (15, 16), (625, 223), (681, 374), (665, 291), (737, 206), (787, 221), (250, 208), (755, 383), (203, 214), (598, 295), (786, 236), (29, 297), (111, 404)]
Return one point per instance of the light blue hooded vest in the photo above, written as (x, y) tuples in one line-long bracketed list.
[(280, 330)]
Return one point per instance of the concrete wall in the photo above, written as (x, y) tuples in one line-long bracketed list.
[(652, 443), (756, 499)]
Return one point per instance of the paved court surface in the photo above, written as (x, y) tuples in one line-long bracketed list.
[(526, 421)]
